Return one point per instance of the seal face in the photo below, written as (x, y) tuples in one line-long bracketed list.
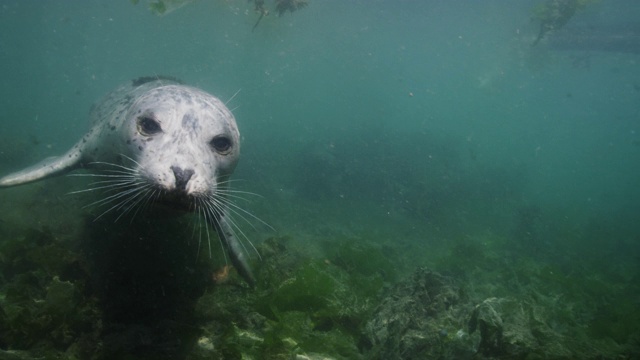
[(156, 138), (184, 141)]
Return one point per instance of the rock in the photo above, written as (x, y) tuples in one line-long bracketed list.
[(420, 318), (514, 329)]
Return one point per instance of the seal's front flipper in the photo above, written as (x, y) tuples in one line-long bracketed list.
[(234, 249), (46, 168)]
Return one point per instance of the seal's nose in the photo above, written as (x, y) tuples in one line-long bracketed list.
[(182, 177)]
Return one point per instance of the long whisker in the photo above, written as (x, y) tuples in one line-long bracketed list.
[(198, 225), (127, 191), (136, 194), (130, 170), (220, 202), (236, 229), (231, 98), (111, 173), (212, 214), (237, 210), (227, 181), (236, 197), (138, 165), (237, 193), (117, 195), (110, 185), (141, 197), (148, 200)]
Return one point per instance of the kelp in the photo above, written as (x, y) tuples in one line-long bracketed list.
[(164, 7), (555, 14), (281, 7)]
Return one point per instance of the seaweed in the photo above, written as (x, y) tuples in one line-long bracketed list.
[(347, 304), (282, 6), (555, 14), (302, 305), (163, 7), (42, 302)]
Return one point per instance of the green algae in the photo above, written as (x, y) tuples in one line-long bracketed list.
[(321, 306), (42, 305), (302, 305), (309, 291)]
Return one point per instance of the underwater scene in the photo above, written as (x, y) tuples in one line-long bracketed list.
[(418, 179)]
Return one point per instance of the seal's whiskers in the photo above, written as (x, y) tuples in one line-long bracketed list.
[(214, 213), (226, 202), (218, 204), (231, 98), (128, 190), (209, 218)]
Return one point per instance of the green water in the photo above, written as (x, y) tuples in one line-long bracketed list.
[(429, 132)]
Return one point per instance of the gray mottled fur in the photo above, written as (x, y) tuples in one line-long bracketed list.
[(190, 118)]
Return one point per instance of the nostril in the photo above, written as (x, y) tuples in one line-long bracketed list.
[(182, 177)]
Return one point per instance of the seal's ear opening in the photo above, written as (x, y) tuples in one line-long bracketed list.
[(221, 144)]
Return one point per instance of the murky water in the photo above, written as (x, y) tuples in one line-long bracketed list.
[(432, 130)]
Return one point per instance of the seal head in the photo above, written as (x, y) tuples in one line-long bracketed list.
[(184, 141)]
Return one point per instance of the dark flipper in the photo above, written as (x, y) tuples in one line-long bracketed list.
[(234, 249)]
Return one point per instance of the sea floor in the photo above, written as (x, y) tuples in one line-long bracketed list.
[(336, 279)]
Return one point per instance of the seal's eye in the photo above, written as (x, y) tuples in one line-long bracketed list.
[(221, 144), (148, 126)]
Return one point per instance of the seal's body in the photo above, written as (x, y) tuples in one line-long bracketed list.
[(155, 139)]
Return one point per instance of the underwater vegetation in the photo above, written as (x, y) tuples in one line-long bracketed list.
[(163, 7), (555, 14), (420, 317), (281, 7), (350, 303), (301, 305), (44, 305)]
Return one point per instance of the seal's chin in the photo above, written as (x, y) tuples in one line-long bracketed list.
[(176, 200)]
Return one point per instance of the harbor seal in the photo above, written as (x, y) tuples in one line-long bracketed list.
[(157, 140)]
